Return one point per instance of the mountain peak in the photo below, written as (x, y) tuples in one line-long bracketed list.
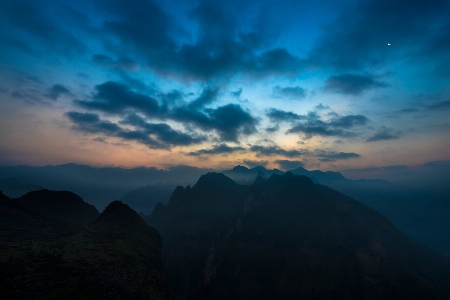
[(116, 211), (62, 205), (214, 179), (240, 168)]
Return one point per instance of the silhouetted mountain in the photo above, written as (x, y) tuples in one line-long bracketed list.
[(213, 196), (288, 238), (145, 198), (13, 188), (62, 205), (318, 176), (20, 226), (423, 214), (420, 213), (116, 257), (99, 186), (246, 176)]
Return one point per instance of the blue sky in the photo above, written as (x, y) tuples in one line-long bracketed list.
[(218, 83)]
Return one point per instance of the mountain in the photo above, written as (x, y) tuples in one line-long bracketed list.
[(423, 214), (99, 185), (246, 176), (286, 237), (116, 257), (63, 205), (14, 188), (145, 198)]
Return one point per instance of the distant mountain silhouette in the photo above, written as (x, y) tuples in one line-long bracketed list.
[(145, 198), (422, 213), (14, 188), (116, 257), (246, 176), (63, 205), (419, 213), (99, 185), (288, 238)]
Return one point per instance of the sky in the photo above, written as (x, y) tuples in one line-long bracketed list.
[(327, 84)]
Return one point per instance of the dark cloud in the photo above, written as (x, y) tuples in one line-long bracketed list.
[(383, 135), (88, 122), (319, 128), (273, 129), (275, 150), (216, 149), (439, 106), (208, 96), (358, 37), (100, 139), (56, 90), (321, 107), (221, 47), (33, 29), (349, 121), (237, 93), (290, 92), (117, 98), (312, 125), (141, 26), (160, 136), (352, 84), (326, 156), (163, 132), (277, 115), (229, 121)]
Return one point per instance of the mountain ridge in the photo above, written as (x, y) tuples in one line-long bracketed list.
[(346, 248)]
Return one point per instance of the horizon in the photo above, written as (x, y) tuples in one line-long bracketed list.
[(213, 85), (431, 175)]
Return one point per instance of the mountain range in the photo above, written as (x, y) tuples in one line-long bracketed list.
[(423, 214), (420, 212), (287, 237), (282, 237)]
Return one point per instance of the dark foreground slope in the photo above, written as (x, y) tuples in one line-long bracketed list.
[(288, 238), (62, 205), (116, 257)]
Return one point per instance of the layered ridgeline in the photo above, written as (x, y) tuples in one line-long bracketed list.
[(423, 214), (118, 256), (286, 237), (145, 198)]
